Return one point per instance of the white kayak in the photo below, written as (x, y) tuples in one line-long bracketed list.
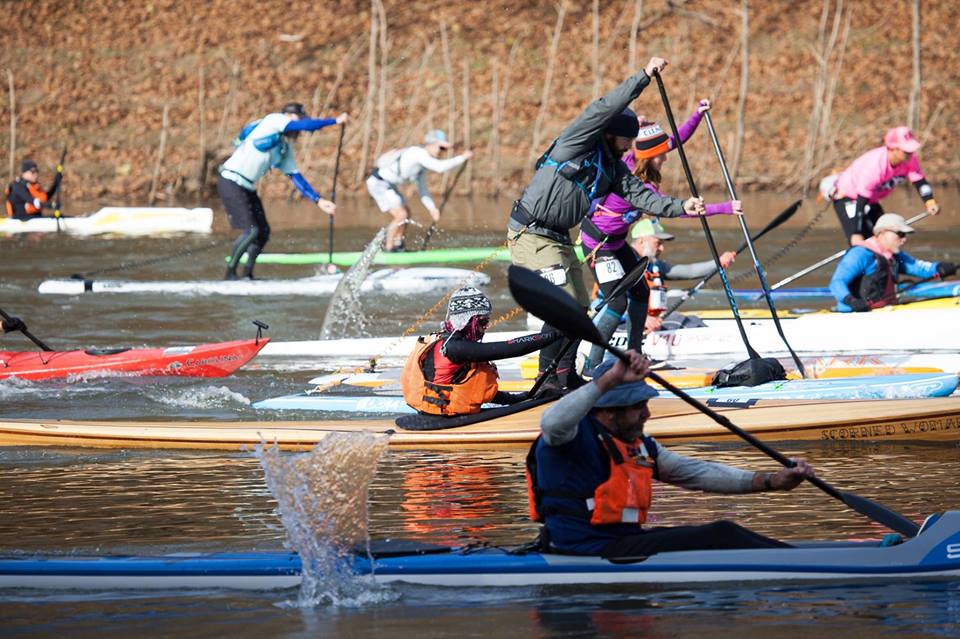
[(390, 280), (119, 220)]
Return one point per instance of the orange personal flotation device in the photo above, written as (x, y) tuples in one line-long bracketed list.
[(624, 498), (658, 290), (472, 386), (32, 207)]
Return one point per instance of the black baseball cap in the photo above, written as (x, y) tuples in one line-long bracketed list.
[(28, 165)]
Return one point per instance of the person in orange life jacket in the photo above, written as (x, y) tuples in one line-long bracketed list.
[(591, 471), (26, 199), (648, 237), (451, 373), (12, 324), (867, 275)]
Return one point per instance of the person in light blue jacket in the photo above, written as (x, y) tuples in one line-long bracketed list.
[(263, 145), (866, 277)]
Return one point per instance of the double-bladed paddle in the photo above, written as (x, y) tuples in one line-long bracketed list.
[(56, 204), (626, 283), (28, 334), (782, 217), (555, 307)]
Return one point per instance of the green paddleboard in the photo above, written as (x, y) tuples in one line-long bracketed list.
[(431, 256)]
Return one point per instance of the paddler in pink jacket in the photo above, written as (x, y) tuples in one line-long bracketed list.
[(604, 232), (872, 177)]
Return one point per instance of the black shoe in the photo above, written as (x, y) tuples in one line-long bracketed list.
[(550, 386), (231, 274), (571, 381)]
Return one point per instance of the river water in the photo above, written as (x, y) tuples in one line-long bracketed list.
[(77, 501)]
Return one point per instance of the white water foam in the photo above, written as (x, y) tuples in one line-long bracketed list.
[(322, 502), (204, 397)]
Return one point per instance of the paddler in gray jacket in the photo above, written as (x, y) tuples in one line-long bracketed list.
[(581, 165)]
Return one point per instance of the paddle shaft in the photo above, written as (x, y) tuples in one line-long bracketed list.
[(753, 254), (443, 203), (56, 204), (333, 195), (625, 283), (827, 260), (703, 220), (27, 333), (782, 217)]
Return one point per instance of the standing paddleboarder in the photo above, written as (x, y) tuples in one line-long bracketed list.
[(581, 165), (263, 145)]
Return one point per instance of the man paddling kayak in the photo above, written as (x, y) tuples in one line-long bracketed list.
[(590, 474), (648, 237), (581, 165), (402, 166), (857, 191), (263, 145), (867, 276), (26, 199), (451, 373)]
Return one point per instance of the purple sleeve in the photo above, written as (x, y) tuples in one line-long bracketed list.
[(687, 129), (721, 208)]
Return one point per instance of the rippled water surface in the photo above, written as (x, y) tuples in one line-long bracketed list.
[(69, 501)]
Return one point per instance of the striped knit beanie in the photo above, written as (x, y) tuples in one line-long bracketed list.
[(651, 142), (466, 303)]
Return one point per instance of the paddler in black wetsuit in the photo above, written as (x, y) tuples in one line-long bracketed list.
[(583, 164), (26, 199), (450, 373)]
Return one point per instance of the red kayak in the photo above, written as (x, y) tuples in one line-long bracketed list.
[(205, 360)]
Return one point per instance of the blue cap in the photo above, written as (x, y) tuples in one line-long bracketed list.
[(626, 394), (436, 136)]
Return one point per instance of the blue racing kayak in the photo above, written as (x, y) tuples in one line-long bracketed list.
[(912, 386), (933, 554)]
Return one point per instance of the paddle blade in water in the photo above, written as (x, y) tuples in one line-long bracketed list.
[(552, 304)]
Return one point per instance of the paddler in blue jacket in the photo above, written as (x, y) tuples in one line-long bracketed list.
[(867, 276), (263, 145), (583, 164), (591, 473)]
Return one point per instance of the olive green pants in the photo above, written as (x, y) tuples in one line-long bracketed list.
[(557, 262)]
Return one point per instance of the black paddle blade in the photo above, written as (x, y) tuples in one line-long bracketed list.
[(881, 514), (552, 304)]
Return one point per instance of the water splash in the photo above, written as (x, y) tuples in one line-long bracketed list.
[(345, 316), (322, 502)]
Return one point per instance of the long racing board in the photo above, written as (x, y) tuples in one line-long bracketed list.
[(932, 554), (391, 280)]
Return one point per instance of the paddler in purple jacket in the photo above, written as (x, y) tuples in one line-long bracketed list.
[(604, 232)]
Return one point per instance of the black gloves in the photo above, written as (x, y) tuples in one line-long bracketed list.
[(13, 324), (858, 304), (946, 269)]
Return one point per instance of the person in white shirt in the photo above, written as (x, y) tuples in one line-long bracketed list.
[(263, 145), (402, 166)]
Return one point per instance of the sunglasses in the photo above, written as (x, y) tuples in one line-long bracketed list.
[(483, 322), (899, 234)]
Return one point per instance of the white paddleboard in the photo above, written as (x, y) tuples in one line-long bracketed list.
[(119, 220)]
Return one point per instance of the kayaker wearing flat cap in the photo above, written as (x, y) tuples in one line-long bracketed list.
[(590, 474), (581, 165), (867, 276)]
